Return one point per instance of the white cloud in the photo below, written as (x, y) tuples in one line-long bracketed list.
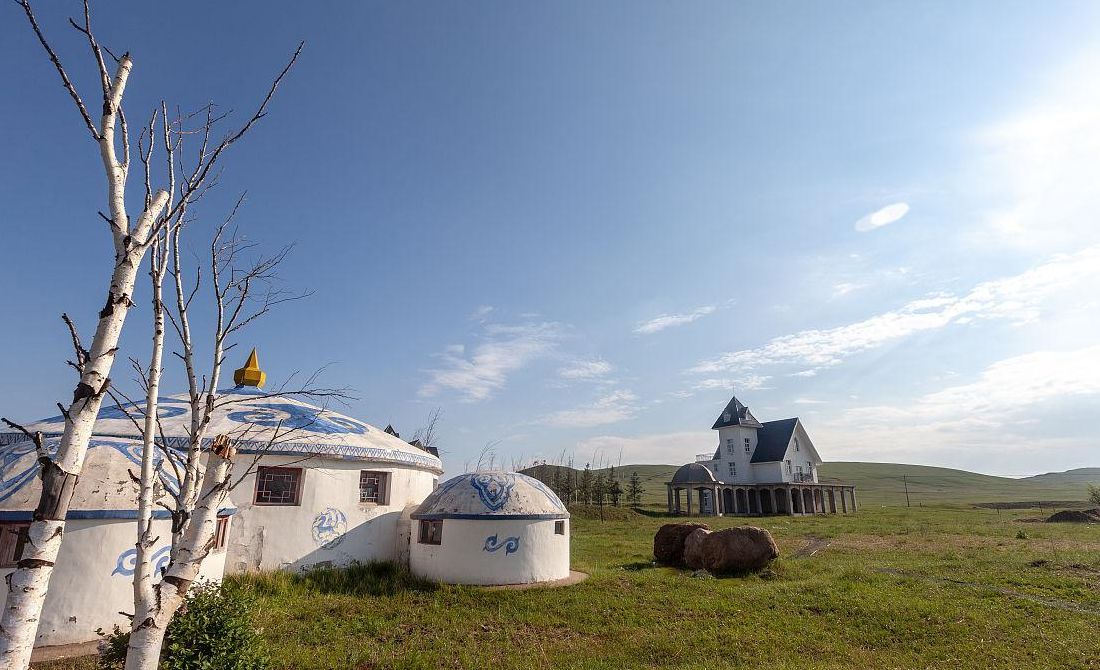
[(975, 424), (672, 320), (841, 289), (1018, 298), (665, 448), (612, 408), (481, 312), (586, 370), (809, 401), (745, 383), (882, 217), (506, 349)]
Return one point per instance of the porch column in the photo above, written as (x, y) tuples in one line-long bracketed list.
[(854, 505), (790, 501), (717, 502), (668, 490), (843, 501), (689, 500)]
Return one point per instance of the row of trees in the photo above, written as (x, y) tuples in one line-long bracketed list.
[(587, 486)]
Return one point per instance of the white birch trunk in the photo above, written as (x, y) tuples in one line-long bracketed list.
[(28, 583), (197, 539)]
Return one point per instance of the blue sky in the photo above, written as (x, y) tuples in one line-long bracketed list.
[(575, 227)]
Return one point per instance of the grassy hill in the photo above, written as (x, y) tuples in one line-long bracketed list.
[(886, 483)]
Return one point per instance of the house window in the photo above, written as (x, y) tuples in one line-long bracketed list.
[(221, 533), (12, 538), (789, 471), (374, 487), (729, 446), (431, 532), (733, 469), (278, 486), (748, 445), (559, 528), (796, 444)]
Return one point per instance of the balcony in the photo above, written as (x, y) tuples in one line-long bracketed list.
[(703, 457), (802, 477)]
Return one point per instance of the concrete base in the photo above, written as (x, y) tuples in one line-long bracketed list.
[(574, 577)]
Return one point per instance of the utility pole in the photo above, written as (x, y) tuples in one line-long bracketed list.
[(905, 481)]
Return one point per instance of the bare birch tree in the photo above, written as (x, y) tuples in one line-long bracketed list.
[(28, 583)]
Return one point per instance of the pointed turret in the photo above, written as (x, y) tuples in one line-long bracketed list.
[(735, 414), (250, 374)]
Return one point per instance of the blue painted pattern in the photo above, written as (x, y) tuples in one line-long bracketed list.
[(550, 495), (166, 408), (510, 544), (296, 417), (329, 528), (127, 561), (493, 488)]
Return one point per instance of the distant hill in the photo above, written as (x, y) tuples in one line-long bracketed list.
[(886, 483)]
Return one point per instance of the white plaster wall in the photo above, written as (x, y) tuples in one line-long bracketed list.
[(767, 473), (462, 558), (744, 461), (273, 537), (87, 591)]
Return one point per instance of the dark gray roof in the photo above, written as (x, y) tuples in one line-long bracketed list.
[(735, 414), (772, 440), (693, 473)]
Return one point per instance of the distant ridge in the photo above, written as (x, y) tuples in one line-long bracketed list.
[(886, 483)]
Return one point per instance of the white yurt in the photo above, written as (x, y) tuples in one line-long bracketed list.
[(93, 578), (316, 487), (491, 528)]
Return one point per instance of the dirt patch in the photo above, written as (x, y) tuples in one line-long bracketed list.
[(1075, 516), (811, 548)]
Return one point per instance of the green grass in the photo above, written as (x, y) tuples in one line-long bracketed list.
[(896, 588), (885, 483)]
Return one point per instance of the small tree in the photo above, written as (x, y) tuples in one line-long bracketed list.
[(584, 487), (615, 492), (568, 486), (1094, 494), (634, 490), (599, 489)]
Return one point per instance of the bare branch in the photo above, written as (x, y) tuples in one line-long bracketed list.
[(26, 5)]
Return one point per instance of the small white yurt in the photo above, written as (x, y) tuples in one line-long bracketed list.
[(93, 578), (490, 528)]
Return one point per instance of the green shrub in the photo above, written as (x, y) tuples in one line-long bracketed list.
[(1021, 535), (1094, 494), (213, 629)]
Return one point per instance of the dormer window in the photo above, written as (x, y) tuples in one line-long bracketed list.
[(726, 417)]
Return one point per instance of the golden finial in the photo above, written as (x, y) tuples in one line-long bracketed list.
[(250, 374)]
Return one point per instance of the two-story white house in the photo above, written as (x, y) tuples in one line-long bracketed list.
[(758, 468)]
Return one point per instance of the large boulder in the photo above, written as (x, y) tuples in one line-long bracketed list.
[(694, 557), (668, 543), (734, 550)]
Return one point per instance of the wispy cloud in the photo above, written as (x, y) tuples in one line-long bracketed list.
[(612, 408), (744, 383), (1018, 298), (666, 448), (586, 370), (477, 374), (988, 417), (481, 312), (882, 217), (664, 321)]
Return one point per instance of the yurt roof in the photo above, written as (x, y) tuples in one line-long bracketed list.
[(259, 422), (104, 489), (492, 495)]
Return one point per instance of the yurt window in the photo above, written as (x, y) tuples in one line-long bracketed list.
[(559, 527), (221, 533), (431, 532), (374, 487), (278, 486), (12, 538)]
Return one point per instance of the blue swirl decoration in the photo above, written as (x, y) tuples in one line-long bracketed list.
[(166, 409), (329, 528), (127, 561), (11, 482), (510, 544), (493, 488), (296, 417)]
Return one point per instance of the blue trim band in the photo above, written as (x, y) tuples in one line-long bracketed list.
[(439, 516), (9, 515)]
